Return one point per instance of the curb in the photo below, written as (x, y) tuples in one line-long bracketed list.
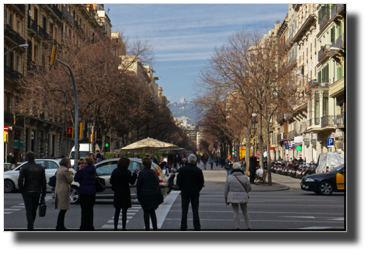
[(267, 188)]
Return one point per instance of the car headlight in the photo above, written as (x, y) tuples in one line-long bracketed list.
[(310, 180)]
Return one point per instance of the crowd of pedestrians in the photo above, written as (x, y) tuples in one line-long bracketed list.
[(32, 185)]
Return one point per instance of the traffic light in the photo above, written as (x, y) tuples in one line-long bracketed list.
[(53, 55), (107, 147), (253, 141), (69, 133), (95, 136), (91, 139), (81, 130)]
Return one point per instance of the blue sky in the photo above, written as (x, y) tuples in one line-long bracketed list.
[(184, 36)]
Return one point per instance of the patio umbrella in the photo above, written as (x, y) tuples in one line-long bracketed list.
[(149, 143)]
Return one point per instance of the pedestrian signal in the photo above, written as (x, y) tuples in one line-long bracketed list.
[(53, 55), (92, 137), (253, 141), (70, 133), (81, 130)]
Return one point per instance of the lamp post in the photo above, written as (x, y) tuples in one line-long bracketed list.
[(89, 129), (21, 46), (254, 122)]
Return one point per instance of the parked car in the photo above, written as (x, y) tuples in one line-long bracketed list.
[(104, 170), (329, 160), (325, 183), (11, 176)]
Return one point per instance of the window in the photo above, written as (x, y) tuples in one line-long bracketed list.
[(106, 169), (317, 109), (325, 104), (134, 165), (332, 35), (51, 164)]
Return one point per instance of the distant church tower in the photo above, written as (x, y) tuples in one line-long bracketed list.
[(182, 100)]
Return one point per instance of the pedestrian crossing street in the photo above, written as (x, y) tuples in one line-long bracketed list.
[(20, 206), (130, 213)]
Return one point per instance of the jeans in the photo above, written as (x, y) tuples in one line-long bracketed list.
[(228, 172), (212, 164), (184, 213), (31, 200), (204, 165), (87, 201), (153, 217)]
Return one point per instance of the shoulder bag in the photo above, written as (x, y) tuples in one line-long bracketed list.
[(52, 180), (248, 197)]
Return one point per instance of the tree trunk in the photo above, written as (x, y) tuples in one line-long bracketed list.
[(269, 180), (260, 136)]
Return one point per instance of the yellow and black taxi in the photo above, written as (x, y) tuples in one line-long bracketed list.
[(325, 183)]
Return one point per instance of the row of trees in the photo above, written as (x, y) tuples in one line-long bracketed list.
[(244, 77), (116, 100)]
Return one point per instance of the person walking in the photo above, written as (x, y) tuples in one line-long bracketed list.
[(190, 181), (148, 193), (120, 179), (32, 184), (252, 167), (228, 164), (211, 161), (64, 178), (204, 161), (235, 192), (86, 177)]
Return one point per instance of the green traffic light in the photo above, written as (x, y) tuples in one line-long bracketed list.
[(106, 145), (298, 148)]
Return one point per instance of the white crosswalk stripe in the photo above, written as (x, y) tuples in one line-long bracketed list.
[(130, 213), (21, 206)]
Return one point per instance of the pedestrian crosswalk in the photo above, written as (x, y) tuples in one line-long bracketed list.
[(130, 213), (20, 206)]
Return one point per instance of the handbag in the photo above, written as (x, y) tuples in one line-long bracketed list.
[(42, 208), (248, 197), (52, 181), (100, 184)]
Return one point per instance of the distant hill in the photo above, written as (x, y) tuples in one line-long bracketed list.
[(184, 108)]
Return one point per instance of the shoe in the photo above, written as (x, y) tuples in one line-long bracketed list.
[(237, 229)]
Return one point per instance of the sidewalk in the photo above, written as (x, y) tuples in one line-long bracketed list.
[(279, 182)]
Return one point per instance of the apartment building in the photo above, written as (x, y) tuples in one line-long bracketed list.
[(42, 26), (316, 43)]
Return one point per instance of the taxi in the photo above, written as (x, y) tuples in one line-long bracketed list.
[(325, 183)]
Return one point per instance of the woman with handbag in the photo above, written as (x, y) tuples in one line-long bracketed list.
[(86, 177), (236, 191), (64, 178), (120, 179)]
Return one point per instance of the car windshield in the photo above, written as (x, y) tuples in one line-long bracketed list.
[(82, 154)]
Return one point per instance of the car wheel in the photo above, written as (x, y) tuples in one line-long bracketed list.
[(74, 195), (9, 186), (325, 188)]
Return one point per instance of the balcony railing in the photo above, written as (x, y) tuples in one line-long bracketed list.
[(324, 20), (316, 121), (56, 11), (336, 9), (68, 15), (324, 51), (328, 121), (21, 7), (11, 74), (32, 26), (14, 36), (278, 137)]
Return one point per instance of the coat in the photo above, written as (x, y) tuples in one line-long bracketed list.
[(62, 189), (32, 178), (234, 192), (148, 189), (86, 177), (190, 180), (253, 164), (120, 180)]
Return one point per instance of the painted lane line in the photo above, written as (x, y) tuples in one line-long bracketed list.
[(8, 212), (165, 207), (9, 209), (17, 207), (300, 217)]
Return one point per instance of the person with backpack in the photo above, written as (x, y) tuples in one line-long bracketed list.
[(228, 164)]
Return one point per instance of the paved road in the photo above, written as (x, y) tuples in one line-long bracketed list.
[(291, 209)]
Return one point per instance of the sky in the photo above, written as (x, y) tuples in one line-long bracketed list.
[(184, 36)]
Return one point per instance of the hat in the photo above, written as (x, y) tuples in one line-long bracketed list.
[(236, 166)]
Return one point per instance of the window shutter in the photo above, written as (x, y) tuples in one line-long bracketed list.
[(332, 35), (319, 76), (327, 73)]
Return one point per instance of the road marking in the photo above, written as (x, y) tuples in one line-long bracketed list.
[(320, 227), (7, 212), (165, 207), (340, 218), (130, 213), (9, 209), (18, 207), (301, 217)]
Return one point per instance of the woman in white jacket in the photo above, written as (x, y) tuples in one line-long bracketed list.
[(235, 192)]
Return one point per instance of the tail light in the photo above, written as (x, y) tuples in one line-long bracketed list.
[(159, 177), (327, 169)]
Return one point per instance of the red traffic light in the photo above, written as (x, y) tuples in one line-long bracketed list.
[(69, 130)]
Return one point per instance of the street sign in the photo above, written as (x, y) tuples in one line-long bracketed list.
[(6, 128), (330, 142)]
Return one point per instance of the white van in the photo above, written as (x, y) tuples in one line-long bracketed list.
[(84, 149), (329, 160)]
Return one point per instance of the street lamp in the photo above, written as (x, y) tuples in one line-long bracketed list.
[(22, 46), (254, 121)]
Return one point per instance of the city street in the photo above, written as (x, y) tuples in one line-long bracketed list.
[(287, 208)]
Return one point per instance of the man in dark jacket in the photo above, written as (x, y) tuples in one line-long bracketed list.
[(32, 183), (190, 181), (252, 168)]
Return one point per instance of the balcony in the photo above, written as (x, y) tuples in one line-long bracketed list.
[(328, 121), (55, 10), (324, 21), (31, 65), (13, 119), (339, 43), (11, 74), (81, 31), (13, 36), (21, 8), (324, 53), (32, 26), (68, 16), (337, 88), (316, 121), (337, 9)]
